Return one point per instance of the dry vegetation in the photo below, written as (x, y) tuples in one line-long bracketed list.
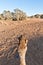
[(15, 16), (10, 30)]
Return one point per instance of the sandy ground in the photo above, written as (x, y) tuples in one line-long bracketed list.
[(10, 30)]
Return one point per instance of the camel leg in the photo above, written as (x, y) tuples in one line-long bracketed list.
[(22, 48)]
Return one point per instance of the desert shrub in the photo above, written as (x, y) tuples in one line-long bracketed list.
[(14, 19), (41, 16), (36, 16)]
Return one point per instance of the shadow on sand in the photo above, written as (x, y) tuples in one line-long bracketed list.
[(34, 55)]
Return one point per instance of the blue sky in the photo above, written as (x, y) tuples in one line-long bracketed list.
[(31, 7)]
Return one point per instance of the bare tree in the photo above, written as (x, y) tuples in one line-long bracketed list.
[(7, 14), (16, 15), (19, 14)]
